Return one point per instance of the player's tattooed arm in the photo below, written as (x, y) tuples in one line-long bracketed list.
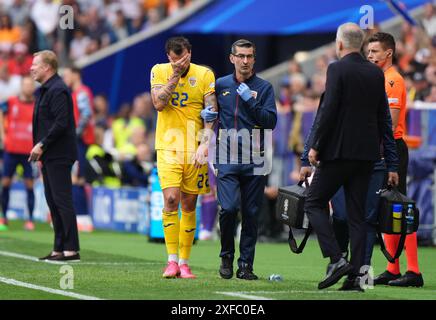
[(161, 95)]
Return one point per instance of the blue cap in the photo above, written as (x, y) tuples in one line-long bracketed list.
[(398, 207)]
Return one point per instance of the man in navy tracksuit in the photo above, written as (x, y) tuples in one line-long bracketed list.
[(245, 102)]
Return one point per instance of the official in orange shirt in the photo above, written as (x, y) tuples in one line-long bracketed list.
[(381, 50)]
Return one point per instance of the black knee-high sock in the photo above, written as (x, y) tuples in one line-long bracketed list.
[(30, 202), (5, 200)]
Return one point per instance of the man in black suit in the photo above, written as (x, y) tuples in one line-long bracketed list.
[(54, 141), (345, 145)]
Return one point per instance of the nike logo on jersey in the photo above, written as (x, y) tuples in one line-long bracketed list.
[(226, 93), (190, 230), (168, 225)]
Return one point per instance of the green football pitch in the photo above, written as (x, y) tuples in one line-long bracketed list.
[(127, 266)]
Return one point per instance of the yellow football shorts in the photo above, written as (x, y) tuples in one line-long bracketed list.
[(176, 169)]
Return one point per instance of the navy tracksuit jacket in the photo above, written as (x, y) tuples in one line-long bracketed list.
[(238, 186)]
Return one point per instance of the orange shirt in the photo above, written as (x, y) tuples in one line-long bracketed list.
[(397, 97)]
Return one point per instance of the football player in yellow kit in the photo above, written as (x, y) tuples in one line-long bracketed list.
[(180, 90)]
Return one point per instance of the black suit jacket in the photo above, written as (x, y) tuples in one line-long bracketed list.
[(53, 121), (352, 115)]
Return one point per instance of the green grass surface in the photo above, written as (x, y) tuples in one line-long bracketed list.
[(127, 266)]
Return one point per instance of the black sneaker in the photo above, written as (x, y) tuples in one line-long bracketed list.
[(62, 258), (335, 271), (352, 284), (51, 256), (245, 272), (409, 279), (385, 277), (226, 268)]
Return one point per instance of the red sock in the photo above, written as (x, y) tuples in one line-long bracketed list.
[(391, 243), (411, 246)]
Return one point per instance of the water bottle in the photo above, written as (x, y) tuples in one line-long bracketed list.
[(409, 219), (396, 218), (275, 277)]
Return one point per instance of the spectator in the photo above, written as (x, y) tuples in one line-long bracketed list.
[(19, 12), (79, 44), (102, 169), (429, 19), (101, 111), (10, 85), (137, 171), (45, 14), (97, 28), (29, 36), (131, 9), (122, 130), (5, 52), (420, 86), (174, 6), (21, 62), (120, 29), (9, 33), (150, 118), (153, 18)]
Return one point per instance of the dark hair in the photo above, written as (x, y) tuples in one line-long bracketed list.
[(75, 70), (386, 40), (177, 44), (244, 44)]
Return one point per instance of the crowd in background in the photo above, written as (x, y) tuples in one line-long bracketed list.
[(34, 25), (123, 152)]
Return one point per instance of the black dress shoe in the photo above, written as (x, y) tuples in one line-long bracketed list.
[(335, 271), (385, 277), (50, 256), (73, 258), (409, 279), (245, 272), (352, 284), (226, 268)]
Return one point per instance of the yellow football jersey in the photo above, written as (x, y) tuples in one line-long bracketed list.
[(178, 124)]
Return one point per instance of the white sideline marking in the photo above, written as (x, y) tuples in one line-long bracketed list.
[(243, 295), (19, 256), (35, 259), (248, 294), (49, 290)]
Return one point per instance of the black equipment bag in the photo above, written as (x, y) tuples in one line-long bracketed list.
[(398, 222), (290, 210)]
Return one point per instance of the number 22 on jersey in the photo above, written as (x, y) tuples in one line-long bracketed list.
[(179, 99)]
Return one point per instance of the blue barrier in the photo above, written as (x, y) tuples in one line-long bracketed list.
[(18, 203), (124, 209)]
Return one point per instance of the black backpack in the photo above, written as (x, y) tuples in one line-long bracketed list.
[(290, 210), (403, 220)]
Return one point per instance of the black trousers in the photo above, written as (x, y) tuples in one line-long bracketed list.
[(403, 159), (58, 193), (354, 176), (236, 191)]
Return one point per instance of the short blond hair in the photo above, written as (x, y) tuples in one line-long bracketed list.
[(49, 58)]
